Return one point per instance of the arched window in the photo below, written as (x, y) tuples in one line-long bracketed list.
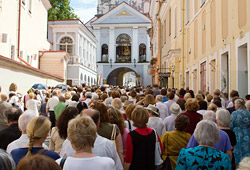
[(88, 80), (105, 52), (85, 78), (66, 44), (142, 53), (81, 77), (91, 81), (123, 48)]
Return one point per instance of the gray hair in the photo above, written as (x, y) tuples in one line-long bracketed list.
[(55, 92), (223, 117), (240, 104), (244, 163), (88, 94), (95, 97), (6, 161), (248, 105), (217, 92), (159, 98), (187, 96), (24, 119), (207, 133), (108, 101), (209, 115)]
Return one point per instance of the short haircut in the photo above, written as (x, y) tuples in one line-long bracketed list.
[(240, 104), (133, 93), (31, 95), (94, 114), (116, 103), (217, 92), (209, 115), (187, 96), (207, 133), (223, 118), (75, 97), (115, 94), (212, 107), (130, 108), (140, 117), (171, 96), (181, 102), (203, 105), (104, 96), (163, 92), (247, 97), (13, 113), (182, 92), (181, 122), (55, 92), (61, 98), (209, 97), (159, 98), (124, 98), (6, 161), (37, 162), (78, 137), (234, 93), (4, 97), (248, 105), (199, 97), (192, 105), (24, 119), (88, 94)]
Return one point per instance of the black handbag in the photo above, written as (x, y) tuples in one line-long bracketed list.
[(166, 165)]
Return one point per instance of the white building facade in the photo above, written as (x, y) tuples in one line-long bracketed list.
[(79, 42), (123, 45)]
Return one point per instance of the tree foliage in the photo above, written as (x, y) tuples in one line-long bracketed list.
[(61, 10)]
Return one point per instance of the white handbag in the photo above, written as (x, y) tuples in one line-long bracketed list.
[(158, 153)]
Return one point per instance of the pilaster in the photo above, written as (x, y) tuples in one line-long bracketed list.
[(135, 49)]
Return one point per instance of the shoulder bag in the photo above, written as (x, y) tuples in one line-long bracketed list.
[(166, 165), (158, 160), (113, 135)]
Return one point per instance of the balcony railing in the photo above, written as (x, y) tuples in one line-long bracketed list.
[(164, 72)]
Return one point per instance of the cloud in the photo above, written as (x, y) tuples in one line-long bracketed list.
[(85, 9)]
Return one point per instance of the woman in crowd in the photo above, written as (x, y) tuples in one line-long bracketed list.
[(6, 162), (204, 156), (129, 122), (37, 162), (175, 140), (82, 142), (169, 121), (37, 129), (240, 124), (106, 128), (33, 104), (117, 118), (117, 104), (140, 153), (59, 133)]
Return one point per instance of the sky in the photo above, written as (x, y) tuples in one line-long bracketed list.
[(85, 9)]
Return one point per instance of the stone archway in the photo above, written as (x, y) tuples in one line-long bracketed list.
[(116, 77)]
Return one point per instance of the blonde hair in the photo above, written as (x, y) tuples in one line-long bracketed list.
[(199, 97), (67, 96), (31, 95), (37, 128), (140, 117), (117, 103), (82, 132), (149, 99), (13, 87), (192, 105), (212, 107)]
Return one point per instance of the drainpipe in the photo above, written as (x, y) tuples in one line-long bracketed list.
[(159, 41), (183, 43), (19, 31)]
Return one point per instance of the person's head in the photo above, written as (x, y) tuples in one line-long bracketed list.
[(171, 96), (140, 117), (240, 104), (199, 97), (247, 97), (116, 117), (217, 93), (79, 138), (153, 110), (175, 109), (187, 96), (4, 97), (55, 93), (203, 105), (67, 96), (248, 105), (212, 107), (95, 96), (163, 92), (159, 98), (103, 97), (124, 98), (37, 162), (6, 161), (209, 98), (37, 130), (130, 108), (102, 109), (244, 164), (149, 99), (61, 98), (116, 103), (81, 106), (234, 93), (31, 95), (115, 94), (24, 119), (12, 114), (181, 102), (75, 98), (181, 122), (133, 94), (88, 95), (223, 118), (209, 115), (207, 133), (94, 114), (182, 92), (217, 103), (63, 120), (192, 105), (13, 87)]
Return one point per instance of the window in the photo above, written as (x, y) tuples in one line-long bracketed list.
[(105, 52), (13, 52), (66, 44), (142, 53), (123, 48)]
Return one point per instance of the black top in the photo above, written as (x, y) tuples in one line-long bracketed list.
[(8, 135), (231, 109), (143, 151), (231, 135)]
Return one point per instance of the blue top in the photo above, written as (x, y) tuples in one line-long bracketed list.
[(165, 99), (240, 124), (18, 154), (202, 157), (223, 144)]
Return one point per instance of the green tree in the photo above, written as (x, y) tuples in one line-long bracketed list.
[(61, 10)]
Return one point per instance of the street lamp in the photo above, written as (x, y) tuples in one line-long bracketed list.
[(134, 62), (173, 69), (110, 62)]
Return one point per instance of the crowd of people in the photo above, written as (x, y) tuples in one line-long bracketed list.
[(130, 128)]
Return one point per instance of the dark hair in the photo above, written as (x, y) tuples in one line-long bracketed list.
[(115, 94), (13, 113), (103, 88), (203, 105), (149, 91), (95, 116), (163, 92), (171, 96), (182, 92), (181, 102), (75, 97), (235, 98), (217, 103), (104, 96), (37, 162), (116, 117), (181, 122), (234, 93), (81, 106), (133, 93), (192, 93), (104, 118), (63, 120), (247, 97)]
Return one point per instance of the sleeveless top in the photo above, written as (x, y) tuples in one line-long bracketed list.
[(143, 151)]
